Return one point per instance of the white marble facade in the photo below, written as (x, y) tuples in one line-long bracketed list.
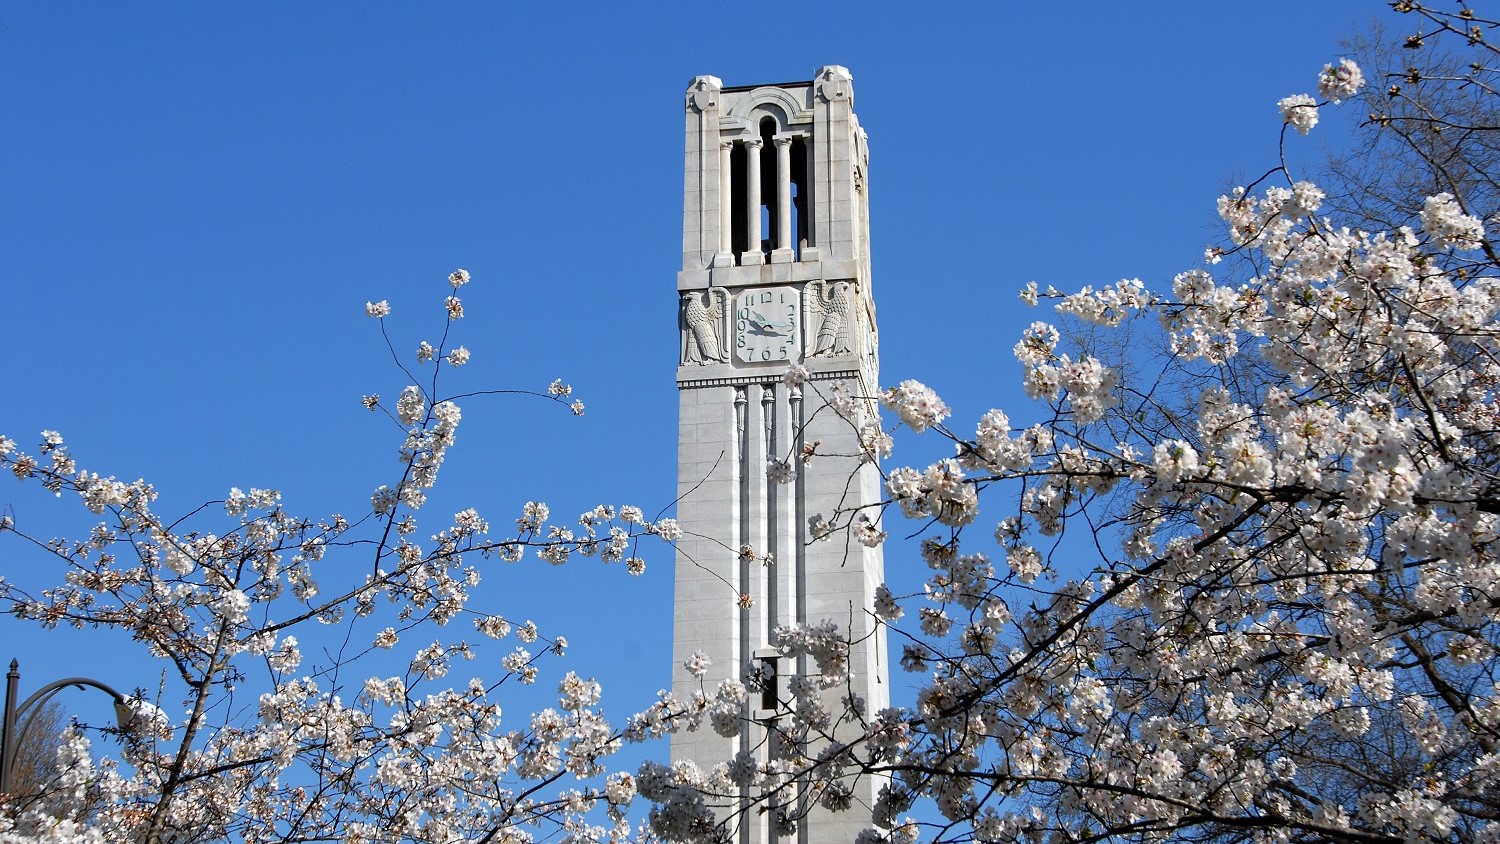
[(775, 206)]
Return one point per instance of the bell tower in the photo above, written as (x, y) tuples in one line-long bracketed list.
[(775, 273)]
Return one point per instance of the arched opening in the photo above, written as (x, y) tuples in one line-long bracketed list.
[(739, 224), (768, 194), (800, 195)]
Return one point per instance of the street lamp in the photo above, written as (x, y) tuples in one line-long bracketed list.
[(125, 714)]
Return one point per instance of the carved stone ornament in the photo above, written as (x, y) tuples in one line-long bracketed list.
[(703, 93), (702, 315), (833, 311), (834, 83)]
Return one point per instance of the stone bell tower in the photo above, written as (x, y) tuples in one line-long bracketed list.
[(775, 271)]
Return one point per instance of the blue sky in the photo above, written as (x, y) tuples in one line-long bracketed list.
[(198, 199)]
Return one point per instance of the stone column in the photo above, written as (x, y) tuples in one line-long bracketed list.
[(725, 257), (784, 252), (752, 254)]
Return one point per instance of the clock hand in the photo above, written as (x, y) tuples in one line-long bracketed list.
[(765, 323)]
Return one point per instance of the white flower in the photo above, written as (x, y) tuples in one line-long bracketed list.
[(1037, 344), (780, 471), (576, 407), (431, 662), (874, 442), (667, 529), (917, 405), (885, 604), (1025, 562), (577, 693), (697, 664), (383, 500), (425, 352), (455, 307), (174, 558), (796, 375), (378, 309), (1448, 225), (492, 626), (234, 503), (935, 622), (1340, 81), (1300, 110), (619, 789), (533, 515), (410, 406), (458, 278), (234, 606), (1090, 385), (1109, 306), (459, 356), (287, 657), (1306, 199), (1174, 461), (819, 527)]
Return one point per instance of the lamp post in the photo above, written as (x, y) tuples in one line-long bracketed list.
[(10, 741)]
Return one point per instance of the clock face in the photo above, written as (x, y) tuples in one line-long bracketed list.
[(767, 324)]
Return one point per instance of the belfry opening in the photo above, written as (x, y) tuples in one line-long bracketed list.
[(767, 170)]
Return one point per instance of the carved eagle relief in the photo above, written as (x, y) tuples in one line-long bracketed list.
[(700, 320), (833, 310)]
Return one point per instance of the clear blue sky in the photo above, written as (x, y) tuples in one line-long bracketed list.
[(198, 199)]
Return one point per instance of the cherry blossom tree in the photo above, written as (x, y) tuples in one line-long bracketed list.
[(246, 740), (1245, 591)]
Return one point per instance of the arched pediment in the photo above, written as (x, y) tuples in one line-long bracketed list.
[(795, 110)]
